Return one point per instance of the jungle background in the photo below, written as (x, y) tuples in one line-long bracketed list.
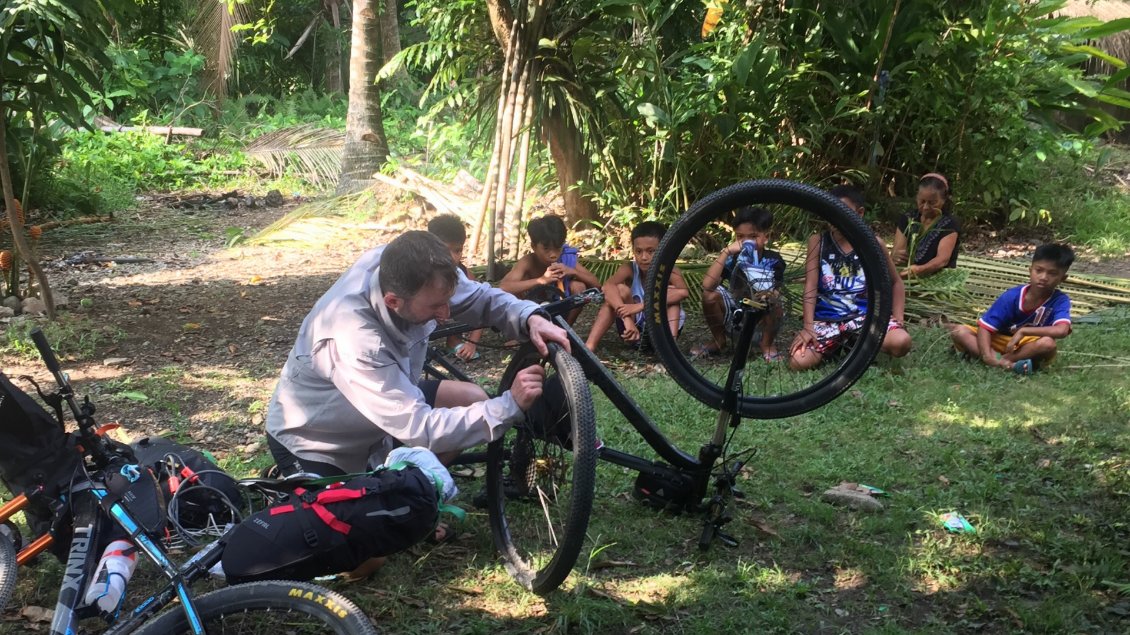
[(182, 264)]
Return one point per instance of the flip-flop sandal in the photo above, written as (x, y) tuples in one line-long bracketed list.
[(772, 357), (1024, 367)]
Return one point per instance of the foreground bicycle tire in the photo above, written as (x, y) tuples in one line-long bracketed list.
[(769, 389), (539, 492), (270, 608), (8, 567)]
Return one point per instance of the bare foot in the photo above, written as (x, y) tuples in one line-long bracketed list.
[(366, 569)]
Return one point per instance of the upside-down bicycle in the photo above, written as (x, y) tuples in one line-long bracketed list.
[(541, 477)]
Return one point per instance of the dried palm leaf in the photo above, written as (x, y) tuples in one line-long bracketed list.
[(212, 31), (303, 218), (314, 151)]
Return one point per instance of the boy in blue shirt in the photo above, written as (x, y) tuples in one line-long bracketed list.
[(1019, 330), (624, 291)]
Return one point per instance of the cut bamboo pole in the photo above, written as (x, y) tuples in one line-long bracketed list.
[(492, 167), (524, 158)]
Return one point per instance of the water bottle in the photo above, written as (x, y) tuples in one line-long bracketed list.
[(749, 254), (114, 570)]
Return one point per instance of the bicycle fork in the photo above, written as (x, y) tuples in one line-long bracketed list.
[(716, 510)]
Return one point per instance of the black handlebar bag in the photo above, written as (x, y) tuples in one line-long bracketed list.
[(35, 452), (335, 529)]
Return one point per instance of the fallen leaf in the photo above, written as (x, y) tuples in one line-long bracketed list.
[(135, 303), (37, 614), (255, 280), (1044, 463), (607, 564), (191, 326), (232, 348), (943, 480), (764, 527), (134, 396)]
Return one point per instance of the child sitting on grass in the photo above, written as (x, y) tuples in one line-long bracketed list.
[(751, 224), (453, 234), (550, 271), (624, 291), (835, 295), (1019, 330)]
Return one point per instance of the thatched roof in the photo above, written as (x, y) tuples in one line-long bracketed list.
[(1104, 10)]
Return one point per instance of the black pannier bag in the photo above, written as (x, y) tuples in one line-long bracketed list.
[(334, 530), (35, 451)]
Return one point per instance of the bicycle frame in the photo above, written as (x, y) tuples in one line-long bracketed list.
[(92, 503), (679, 464)]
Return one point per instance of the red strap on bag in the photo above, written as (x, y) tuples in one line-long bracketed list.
[(323, 498)]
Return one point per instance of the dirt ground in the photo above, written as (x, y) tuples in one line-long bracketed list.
[(217, 320), (215, 323)]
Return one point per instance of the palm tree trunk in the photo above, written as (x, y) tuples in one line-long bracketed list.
[(567, 150), (334, 51), (366, 147), (14, 221)]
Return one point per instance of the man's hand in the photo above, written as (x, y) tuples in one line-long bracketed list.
[(527, 386), (542, 331)]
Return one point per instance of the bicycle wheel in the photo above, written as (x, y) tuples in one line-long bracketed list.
[(270, 608), (8, 568), (540, 477), (768, 389)]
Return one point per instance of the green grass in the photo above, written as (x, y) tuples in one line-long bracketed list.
[(1038, 465)]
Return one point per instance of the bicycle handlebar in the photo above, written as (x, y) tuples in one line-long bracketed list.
[(95, 445)]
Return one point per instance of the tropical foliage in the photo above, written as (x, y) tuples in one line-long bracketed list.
[(873, 92), (665, 110)]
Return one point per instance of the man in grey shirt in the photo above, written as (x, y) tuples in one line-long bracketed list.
[(350, 390)]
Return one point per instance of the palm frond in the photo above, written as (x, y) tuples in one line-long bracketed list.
[(310, 224), (314, 151), (212, 31)]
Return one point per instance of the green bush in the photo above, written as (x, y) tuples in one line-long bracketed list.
[(115, 167)]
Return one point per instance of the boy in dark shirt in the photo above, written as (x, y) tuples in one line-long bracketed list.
[(751, 224)]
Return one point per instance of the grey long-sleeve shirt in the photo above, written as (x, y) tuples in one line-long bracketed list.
[(348, 388)]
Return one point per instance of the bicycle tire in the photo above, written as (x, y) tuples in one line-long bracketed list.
[(8, 569), (772, 393), (540, 543), (254, 607)]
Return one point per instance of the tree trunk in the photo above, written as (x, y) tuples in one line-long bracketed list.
[(16, 226), (390, 40), (366, 147), (390, 30), (501, 20), (333, 50), (572, 164), (565, 144)]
